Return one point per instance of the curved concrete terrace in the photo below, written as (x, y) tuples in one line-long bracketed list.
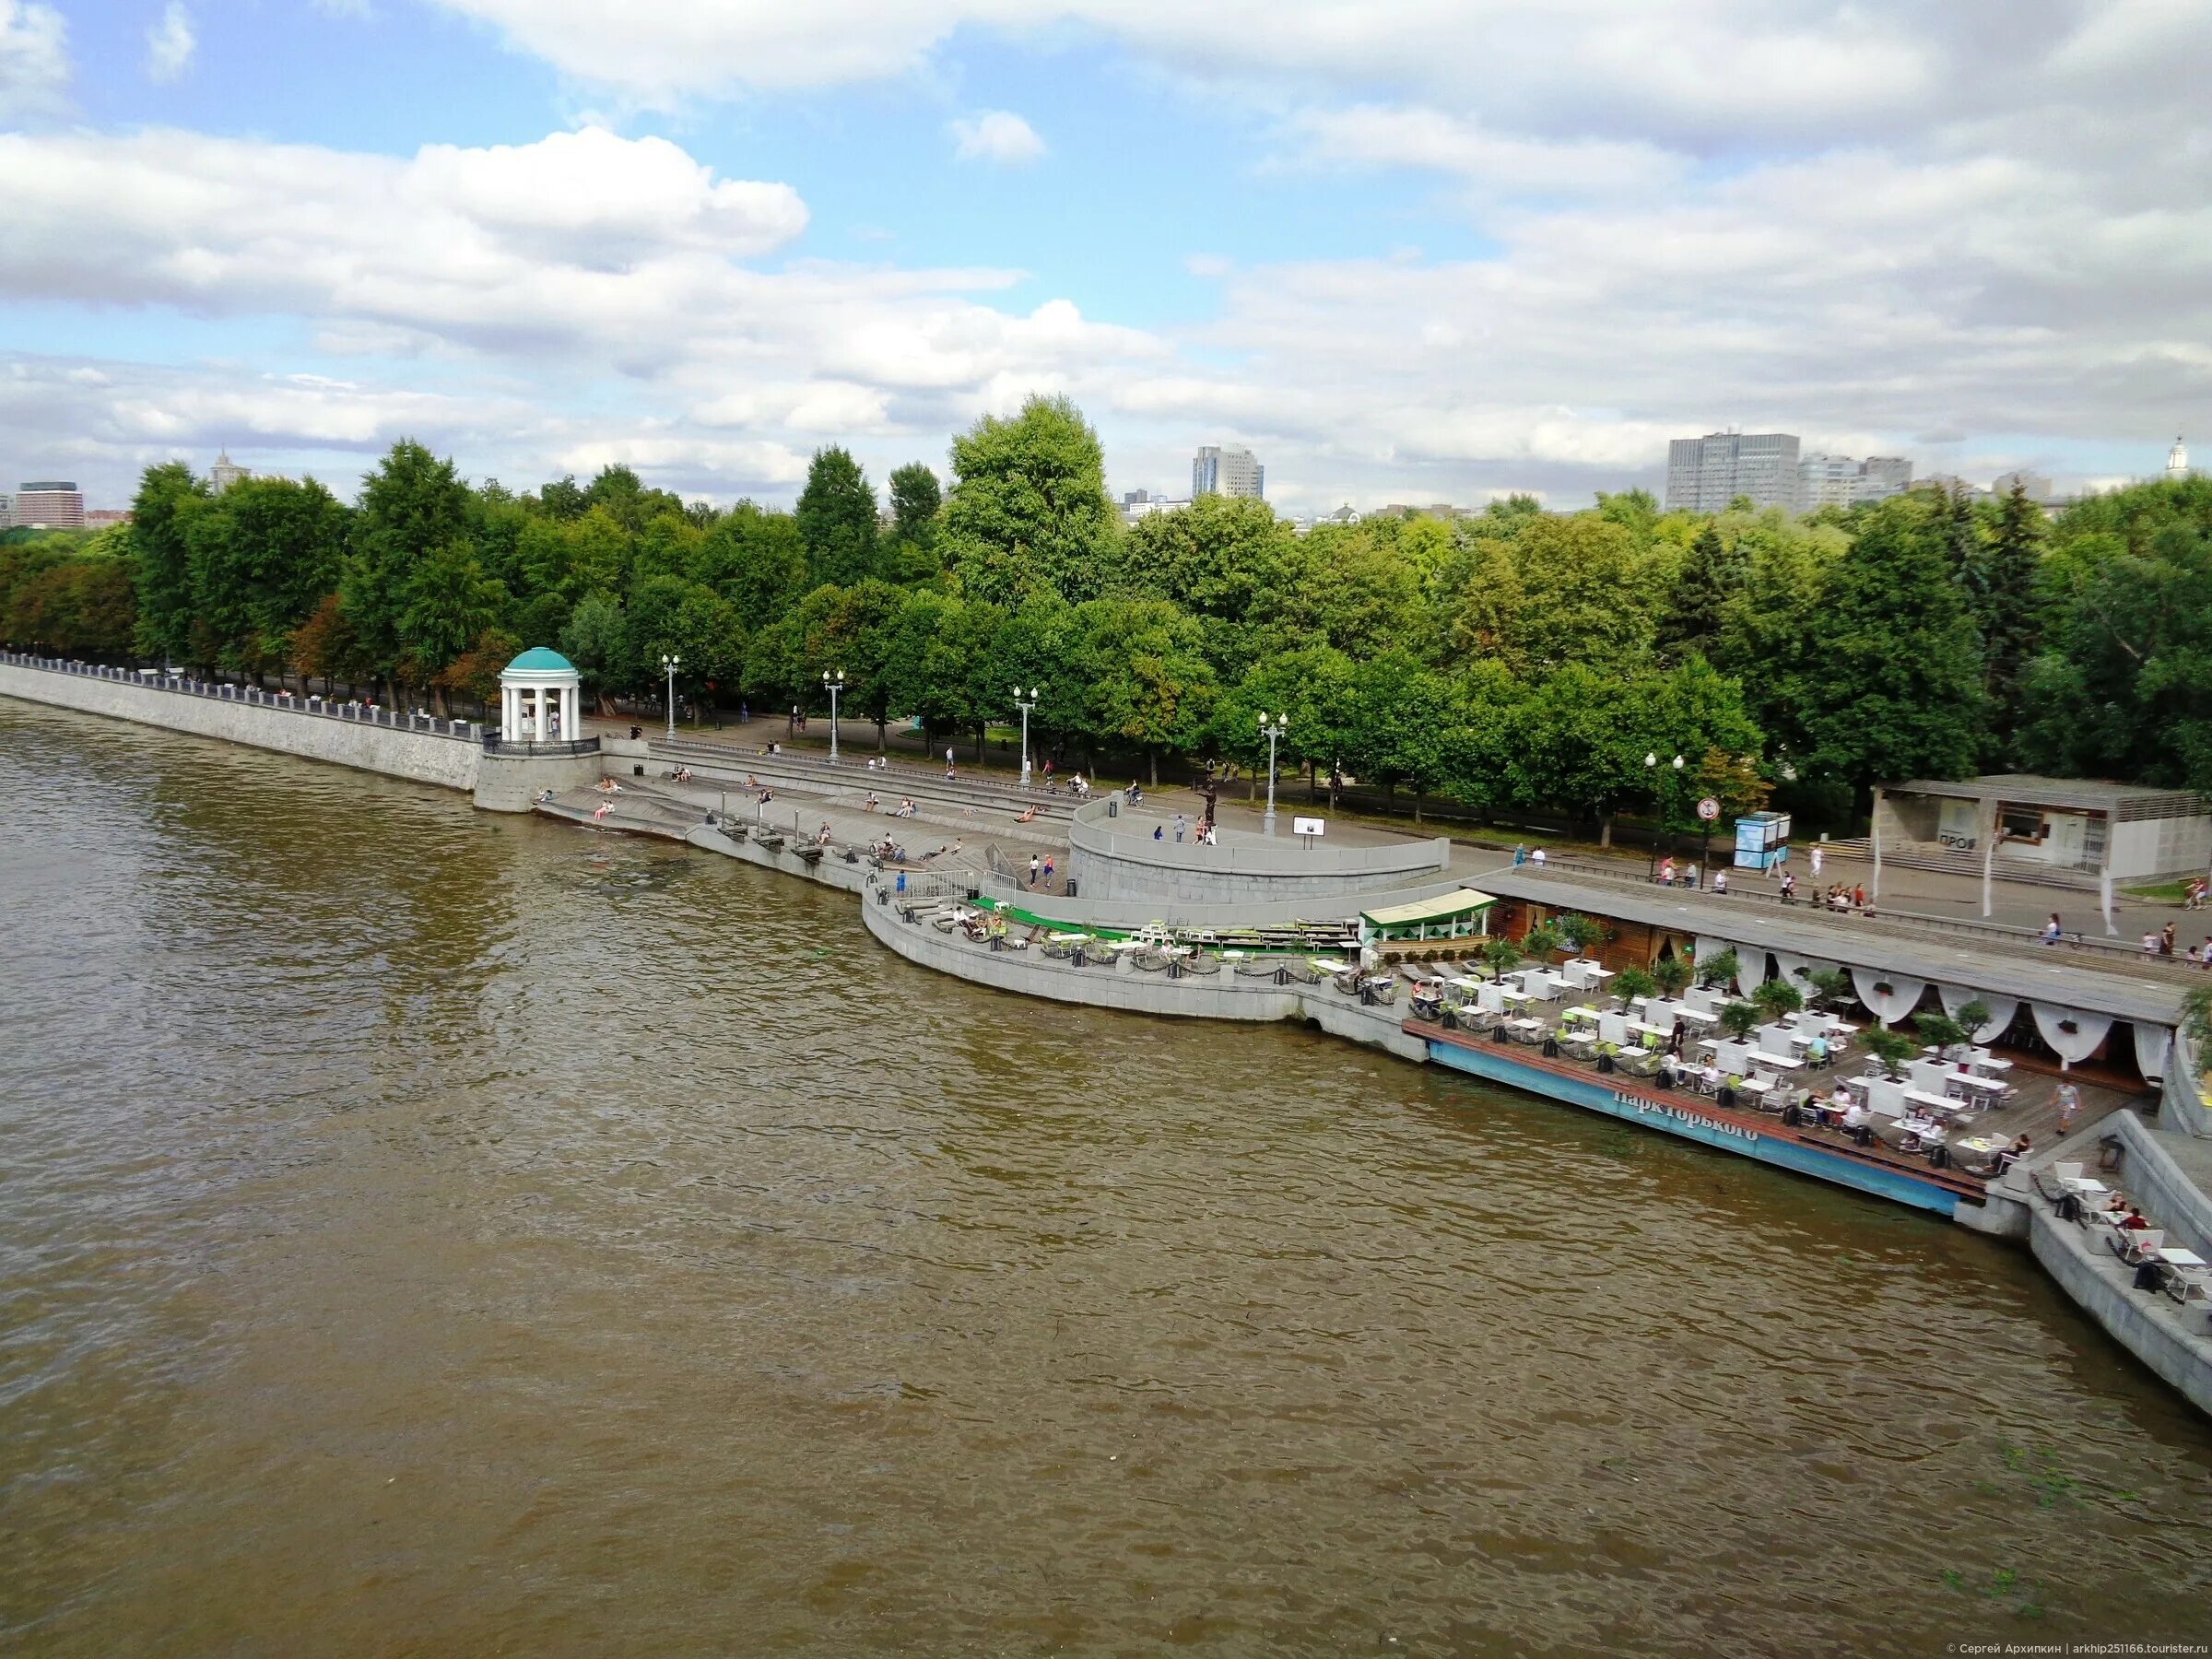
[(1113, 854)]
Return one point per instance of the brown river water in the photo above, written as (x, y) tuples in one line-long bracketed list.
[(424, 1232)]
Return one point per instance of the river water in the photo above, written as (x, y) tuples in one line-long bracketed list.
[(428, 1233)]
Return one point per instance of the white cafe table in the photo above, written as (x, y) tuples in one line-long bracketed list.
[(1513, 997), (1525, 1025), (1648, 1030), (1924, 1128), (1967, 1080), (1933, 1102), (2085, 1186), (1697, 1015), (1580, 1014), (2175, 1256), (1463, 982), (1075, 938), (1779, 1062)]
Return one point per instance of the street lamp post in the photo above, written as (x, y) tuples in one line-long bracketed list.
[(669, 664), (1272, 731), (1666, 827), (1026, 708), (833, 687)]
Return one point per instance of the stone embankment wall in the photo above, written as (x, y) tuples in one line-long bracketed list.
[(1107, 862), (396, 750)]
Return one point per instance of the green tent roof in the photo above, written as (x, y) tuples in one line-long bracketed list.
[(541, 659)]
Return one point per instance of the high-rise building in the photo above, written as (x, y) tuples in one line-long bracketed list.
[(1703, 475), (50, 506), (7, 513), (1228, 470), (2034, 485), (1840, 481), (225, 473)]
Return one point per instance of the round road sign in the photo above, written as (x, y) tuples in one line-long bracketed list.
[(1709, 809)]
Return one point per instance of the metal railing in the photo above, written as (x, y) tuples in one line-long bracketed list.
[(536, 748), (2114, 954), (177, 682)]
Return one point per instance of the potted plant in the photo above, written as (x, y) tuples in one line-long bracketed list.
[(1831, 987), (1583, 934), (1737, 1019), (1541, 941), (1940, 1029), (1720, 969), (1633, 983), (1892, 1048), (1973, 1016), (1501, 956), (1672, 975), (1775, 998)]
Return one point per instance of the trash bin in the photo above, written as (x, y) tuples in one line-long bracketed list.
[(1071, 887)]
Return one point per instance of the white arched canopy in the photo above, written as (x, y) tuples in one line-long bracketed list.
[(539, 696), (1891, 996), (2074, 1034), (2001, 1010)]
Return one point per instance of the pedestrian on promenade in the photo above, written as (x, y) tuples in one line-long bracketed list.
[(1666, 871), (1858, 898), (1720, 881), (949, 763), (1816, 861), (1179, 826), (2069, 1104), (2051, 929), (1690, 875), (1159, 831), (1520, 853), (1035, 865), (1789, 887), (2166, 940), (1048, 869), (1536, 858)]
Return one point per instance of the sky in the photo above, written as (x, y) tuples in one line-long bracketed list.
[(1406, 250)]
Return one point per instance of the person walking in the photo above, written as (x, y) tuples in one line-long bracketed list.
[(1816, 861), (2069, 1106), (1035, 865), (1720, 881), (1179, 826), (948, 764), (1789, 887), (1520, 853), (2052, 929)]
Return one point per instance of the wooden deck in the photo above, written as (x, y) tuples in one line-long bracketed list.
[(2031, 1110)]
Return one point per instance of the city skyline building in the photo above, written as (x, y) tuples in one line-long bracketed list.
[(1844, 480), (2177, 460), (225, 473), (1228, 470), (1705, 475), (49, 505)]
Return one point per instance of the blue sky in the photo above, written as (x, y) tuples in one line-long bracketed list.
[(1407, 250)]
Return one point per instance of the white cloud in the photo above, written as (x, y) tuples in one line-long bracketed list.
[(35, 59), (998, 135), (1491, 163), (169, 43)]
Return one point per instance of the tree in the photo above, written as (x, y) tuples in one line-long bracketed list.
[(1713, 572), (325, 645), (474, 673), (1737, 1019), (1149, 687), (836, 519), (2011, 619), (1312, 687), (1831, 987), (1586, 595), (1631, 983), (758, 561), (1890, 682), (916, 498), (448, 602), (1403, 722), (1227, 560), (261, 556), (411, 506), (596, 642), (1892, 1048), (1028, 509), (168, 496)]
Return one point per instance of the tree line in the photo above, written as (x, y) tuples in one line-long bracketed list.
[(1516, 659)]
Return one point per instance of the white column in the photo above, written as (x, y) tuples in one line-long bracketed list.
[(571, 722), (506, 711)]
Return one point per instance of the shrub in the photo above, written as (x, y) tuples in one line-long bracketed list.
[(1633, 983), (1777, 997), (1672, 975), (1892, 1048), (1720, 969)]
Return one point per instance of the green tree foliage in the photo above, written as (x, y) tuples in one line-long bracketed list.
[(68, 594), (2123, 687), (1713, 574), (836, 518), (159, 512), (412, 507), (1151, 688), (447, 601), (916, 499), (260, 557), (1027, 509), (2011, 620), (1890, 686)]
